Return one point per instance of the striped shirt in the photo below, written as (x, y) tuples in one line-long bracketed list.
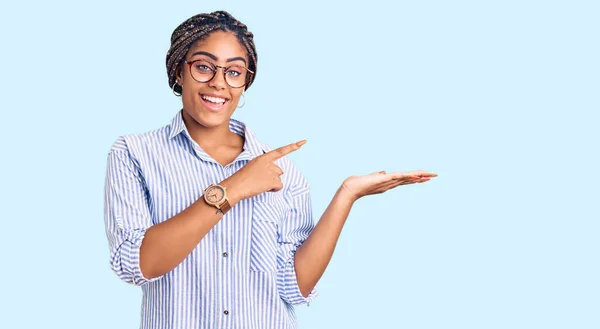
[(241, 274)]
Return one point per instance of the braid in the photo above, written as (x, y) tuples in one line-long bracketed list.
[(199, 27)]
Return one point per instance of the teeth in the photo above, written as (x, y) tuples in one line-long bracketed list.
[(211, 99)]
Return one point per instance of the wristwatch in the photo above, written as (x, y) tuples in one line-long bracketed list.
[(216, 196)]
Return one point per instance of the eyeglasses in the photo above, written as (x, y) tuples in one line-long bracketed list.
[(236, 76)]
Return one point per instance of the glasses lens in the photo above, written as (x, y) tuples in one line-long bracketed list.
[(202, 71), (236, 76)]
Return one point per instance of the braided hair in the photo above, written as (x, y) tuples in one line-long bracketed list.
[(199, 27)]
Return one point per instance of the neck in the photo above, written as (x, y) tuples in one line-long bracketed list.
[(209, 137)]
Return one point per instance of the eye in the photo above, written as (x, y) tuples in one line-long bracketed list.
[(203, 67), (234, 72)]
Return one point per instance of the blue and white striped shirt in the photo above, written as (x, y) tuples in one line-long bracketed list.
[(241, 274)]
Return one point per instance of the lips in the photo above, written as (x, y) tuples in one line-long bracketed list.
[(213, 99), (213, 102)]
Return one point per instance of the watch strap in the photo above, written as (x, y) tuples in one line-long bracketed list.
[(224, 207)]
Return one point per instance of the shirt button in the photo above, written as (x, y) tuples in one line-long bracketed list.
[(226, 312), (225, 254)]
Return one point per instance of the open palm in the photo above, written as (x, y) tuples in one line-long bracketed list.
[(379, 182)]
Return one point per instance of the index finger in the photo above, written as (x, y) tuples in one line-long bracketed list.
[(284, 150)]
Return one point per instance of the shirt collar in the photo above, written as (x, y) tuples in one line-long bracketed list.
[(252, 147)]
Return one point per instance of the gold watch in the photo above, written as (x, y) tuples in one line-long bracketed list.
[(216, 196)]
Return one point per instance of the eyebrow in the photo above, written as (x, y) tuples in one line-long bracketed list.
[(214, 58)]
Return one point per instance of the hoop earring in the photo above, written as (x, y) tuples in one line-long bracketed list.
[(173, 89), (244, 103)]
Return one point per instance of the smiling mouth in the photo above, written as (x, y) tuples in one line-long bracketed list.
[(214, 100)]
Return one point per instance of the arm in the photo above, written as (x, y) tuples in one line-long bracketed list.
[(140, 251), (314, 255), (294, 229)]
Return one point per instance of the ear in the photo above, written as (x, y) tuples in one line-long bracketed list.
[(178, 75)]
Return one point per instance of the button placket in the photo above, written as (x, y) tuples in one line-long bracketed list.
[(226, 263)]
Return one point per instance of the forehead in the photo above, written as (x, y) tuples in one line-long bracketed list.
[(221, 44)]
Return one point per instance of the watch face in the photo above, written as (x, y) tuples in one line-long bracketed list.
[(215, 194)]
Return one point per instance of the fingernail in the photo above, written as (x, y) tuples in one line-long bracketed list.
[(302, 142), (382, 172)]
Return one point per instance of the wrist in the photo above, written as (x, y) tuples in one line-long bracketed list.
[(232, 192), (346, 194)]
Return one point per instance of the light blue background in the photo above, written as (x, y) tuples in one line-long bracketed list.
[(500, 98)]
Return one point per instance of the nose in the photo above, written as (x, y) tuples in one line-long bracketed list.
[(218, 81)]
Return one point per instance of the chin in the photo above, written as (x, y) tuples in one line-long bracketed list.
[(208, 118)]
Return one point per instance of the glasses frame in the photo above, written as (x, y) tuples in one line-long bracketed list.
[(216, 68)]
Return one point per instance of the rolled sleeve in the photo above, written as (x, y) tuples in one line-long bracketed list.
[(294, 230), (126, 214)]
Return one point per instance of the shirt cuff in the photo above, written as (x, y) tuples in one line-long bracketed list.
[(289, 288), (126, 261)]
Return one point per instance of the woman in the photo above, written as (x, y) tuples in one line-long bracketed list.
[(215, 226)]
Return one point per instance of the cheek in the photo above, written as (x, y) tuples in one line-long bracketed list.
[(236, 96), (190, 98), (188, 95)]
